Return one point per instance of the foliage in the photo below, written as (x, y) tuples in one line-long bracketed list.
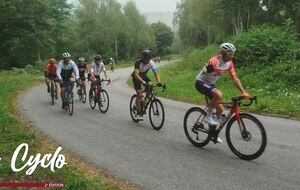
[(163, 37), (26, 31), (202, 22), (266, 45)]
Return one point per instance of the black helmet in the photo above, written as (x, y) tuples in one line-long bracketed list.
[(147, 54), (98, 58)]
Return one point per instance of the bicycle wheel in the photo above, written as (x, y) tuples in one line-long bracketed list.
[(156, 114), (83, 98), (132, 109), (246, 139), (196, 131), (70, 105), (52, 93), (79, 92), (92, 100), (104, 101)]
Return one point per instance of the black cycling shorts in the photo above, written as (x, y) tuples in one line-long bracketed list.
[(137, 84)]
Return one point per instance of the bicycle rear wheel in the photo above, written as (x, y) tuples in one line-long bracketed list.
[(83, 97), (156, 114), (52, 93), (132, 109), (246, 139), (196, 131), (103, 101)]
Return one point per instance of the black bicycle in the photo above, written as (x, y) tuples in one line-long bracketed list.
[(81, 91), (98, 95), (156, 109), (245, 135), (53, 90)]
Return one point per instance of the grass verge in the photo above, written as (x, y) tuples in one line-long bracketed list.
[(15, 131)]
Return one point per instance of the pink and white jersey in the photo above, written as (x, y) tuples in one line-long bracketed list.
[(97, 69), (220, 67)]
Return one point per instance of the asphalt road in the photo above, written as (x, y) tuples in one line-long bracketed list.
[(163, 159)]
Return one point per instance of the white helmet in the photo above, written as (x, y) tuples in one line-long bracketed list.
[(81, 59), (227, 47), (111, 58), (66, 55)]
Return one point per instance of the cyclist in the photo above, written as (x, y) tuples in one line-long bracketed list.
[(50, 74), (83, 68), (96, 68), (139, 77), (206, 79), (112, 64), (64, 72)]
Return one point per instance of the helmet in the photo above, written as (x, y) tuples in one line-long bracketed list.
[(111, 58), (226, 47), (98, 58), (66, 55), (146, 54), (52, 61), (81, 59)]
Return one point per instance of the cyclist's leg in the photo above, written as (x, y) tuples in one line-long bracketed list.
[(217, 97), (149, 87), (207, 90), (47, 81), (139, 93), (62, 93)]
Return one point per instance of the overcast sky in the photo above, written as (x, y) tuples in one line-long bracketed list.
[(146, 6)]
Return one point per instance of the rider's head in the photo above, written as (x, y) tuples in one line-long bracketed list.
[(111, 58), (97, 59), (146, 56), (66, 57), (52, 61), (81, 59), (227, 51)]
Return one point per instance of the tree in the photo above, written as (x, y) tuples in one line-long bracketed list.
[(163, 37)]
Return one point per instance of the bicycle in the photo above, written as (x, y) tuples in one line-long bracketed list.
[(68, 99), (99, 97), (241, 127), (81, 91), (53, 89), (156, 109)]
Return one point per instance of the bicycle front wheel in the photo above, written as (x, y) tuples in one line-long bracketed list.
[(92, 100), (52, 93), (196, 131), (104, 101), (156, 114), (70, 106), (247, 139)]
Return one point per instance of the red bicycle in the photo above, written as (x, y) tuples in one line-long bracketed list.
[(245, 135), (99, 96)]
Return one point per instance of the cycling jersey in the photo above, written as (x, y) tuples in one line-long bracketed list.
[(51, 69), (64, 71), (219, 66), (97, 69), (142, 68), (82, 67)]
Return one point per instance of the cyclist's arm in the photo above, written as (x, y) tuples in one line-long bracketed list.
[(104, 70), (58, 71), (236, 80), (157, 77), (76, 71), (138, 77)]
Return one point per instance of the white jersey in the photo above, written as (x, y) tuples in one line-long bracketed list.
[(64, 71), (97, 69)]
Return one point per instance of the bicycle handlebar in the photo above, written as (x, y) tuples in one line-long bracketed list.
[(164, 87), (103, 80), (239, 98)]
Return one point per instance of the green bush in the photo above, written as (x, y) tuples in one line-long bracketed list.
[(267, 45)]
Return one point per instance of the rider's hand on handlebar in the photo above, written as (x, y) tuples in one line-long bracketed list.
[(245, 95), (159, 84)]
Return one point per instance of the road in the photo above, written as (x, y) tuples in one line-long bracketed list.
[(163, 159)]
